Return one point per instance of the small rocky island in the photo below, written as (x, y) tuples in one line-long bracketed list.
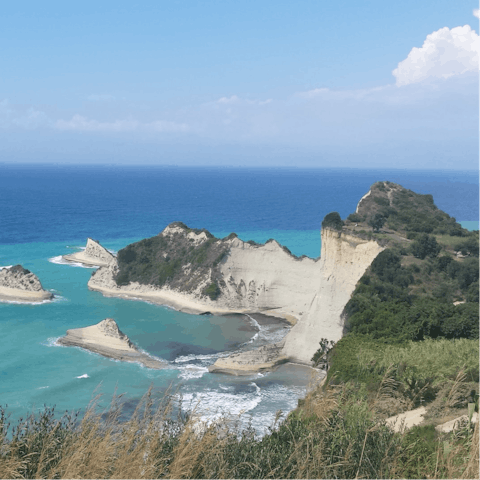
[(17, 284), (94, 255), (105, 338)]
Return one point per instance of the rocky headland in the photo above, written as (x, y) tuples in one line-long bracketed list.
[(105, 338), (21, 285), (94, 255), (192, 271), (195, 272)]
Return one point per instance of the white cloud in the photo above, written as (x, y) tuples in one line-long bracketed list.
[(445, 53), (476, 12), (228, 100)]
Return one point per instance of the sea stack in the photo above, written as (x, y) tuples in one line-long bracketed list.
[(93, 255), (105, 338), (18, 284)]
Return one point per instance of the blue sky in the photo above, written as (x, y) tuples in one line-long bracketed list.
[(254, 83)]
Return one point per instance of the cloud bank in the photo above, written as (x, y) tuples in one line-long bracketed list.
[(445, 53), (429, 114)]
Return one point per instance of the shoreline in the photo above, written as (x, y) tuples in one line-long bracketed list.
[(181, 303), (263, 359), (80, 257), (23, 296)]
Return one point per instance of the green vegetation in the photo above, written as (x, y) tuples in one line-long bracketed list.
[(406, 344), (377, 222), (334, 434), (391, 301), (173, 259), (332, 220), (213, 291), (407, 211), (412, 365), (425, 245)]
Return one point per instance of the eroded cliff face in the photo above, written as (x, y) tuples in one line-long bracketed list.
[(94, 254), (344, 259), (266, 277), (249, 277)]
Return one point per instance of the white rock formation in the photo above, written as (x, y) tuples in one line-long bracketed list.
[(21, 285), (93, 255), (258, 278), (343, 261), (108, 340), (456, 423), (268, 279), (363, 198)]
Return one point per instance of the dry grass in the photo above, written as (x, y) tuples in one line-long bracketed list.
[(335, 434)]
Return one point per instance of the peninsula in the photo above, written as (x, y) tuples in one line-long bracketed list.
[(105, 338), (94, 255), (17, 284), (192, 271)]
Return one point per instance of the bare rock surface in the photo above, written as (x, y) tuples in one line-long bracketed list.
[(456, 423), (93, 255), (266, 357), (21, 285), (245, 277), (105, 338)]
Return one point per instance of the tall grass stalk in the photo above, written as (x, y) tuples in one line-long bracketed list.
[(336, 433)]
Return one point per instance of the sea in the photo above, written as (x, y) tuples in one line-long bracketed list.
[(47, 211)]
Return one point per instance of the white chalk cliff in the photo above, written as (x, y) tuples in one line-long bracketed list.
[(93, 255), (343, 260), (20, 285), (268, 279)]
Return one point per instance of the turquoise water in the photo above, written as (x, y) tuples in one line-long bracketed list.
[(35, 371), (48, 211)]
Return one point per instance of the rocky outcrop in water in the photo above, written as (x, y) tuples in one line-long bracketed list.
[(21, 285), (93, 255), (105, 338)]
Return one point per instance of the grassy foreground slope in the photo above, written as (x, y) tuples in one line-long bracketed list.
[(408, 342)]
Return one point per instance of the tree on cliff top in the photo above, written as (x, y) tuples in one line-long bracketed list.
[(377, 222), (332, 220)]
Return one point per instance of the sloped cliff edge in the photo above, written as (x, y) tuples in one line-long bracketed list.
[(94, 255), (247, 277)]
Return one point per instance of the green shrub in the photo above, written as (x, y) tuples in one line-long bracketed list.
[(213, 291), (355, 218), (332, 220), (377, 222), (425, 245)]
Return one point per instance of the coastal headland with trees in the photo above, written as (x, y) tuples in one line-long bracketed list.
[(409, 343)]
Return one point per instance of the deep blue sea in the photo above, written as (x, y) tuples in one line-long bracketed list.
[(48, 211)]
